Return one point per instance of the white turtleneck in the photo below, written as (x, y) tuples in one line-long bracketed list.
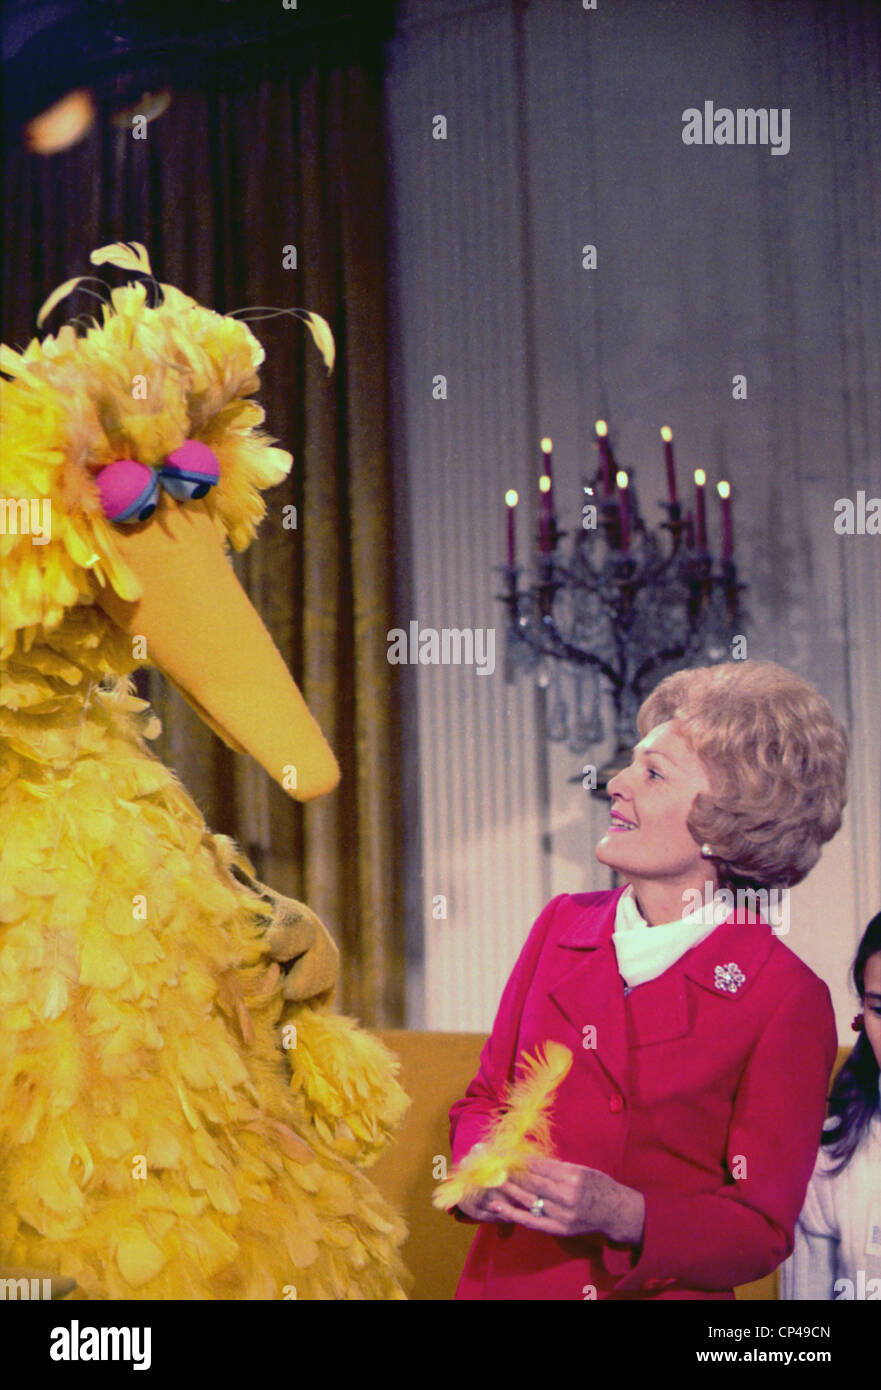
[(645, 952)]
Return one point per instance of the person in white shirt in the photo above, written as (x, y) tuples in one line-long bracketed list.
[(837, 1251)]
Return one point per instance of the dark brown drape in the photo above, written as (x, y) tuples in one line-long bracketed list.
[(279, 153)]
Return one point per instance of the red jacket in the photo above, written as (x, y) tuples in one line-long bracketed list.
[(709, 1102)]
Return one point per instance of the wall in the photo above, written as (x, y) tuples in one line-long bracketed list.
[(564, 127)]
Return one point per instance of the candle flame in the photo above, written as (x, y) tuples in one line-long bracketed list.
[(601, 428), (512, 497), (544, 483), (546, 445), (700, 477), (723, 489), (621, 478), (666, 433)]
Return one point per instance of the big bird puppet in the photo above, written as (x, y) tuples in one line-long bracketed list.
[(181, 1117)]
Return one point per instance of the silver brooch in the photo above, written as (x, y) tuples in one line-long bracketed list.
[(729, 977)]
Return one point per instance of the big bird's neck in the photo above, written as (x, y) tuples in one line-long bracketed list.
[(48, 721)]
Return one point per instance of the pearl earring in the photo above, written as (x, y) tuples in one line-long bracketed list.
[(706, 851)]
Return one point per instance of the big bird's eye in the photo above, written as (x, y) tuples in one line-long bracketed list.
[(129, 491), (188, 472)]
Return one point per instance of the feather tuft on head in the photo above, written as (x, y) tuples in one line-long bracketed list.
[(140, 381), (522, 1132)]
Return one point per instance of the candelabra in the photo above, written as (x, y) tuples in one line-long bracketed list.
[(622, 608)]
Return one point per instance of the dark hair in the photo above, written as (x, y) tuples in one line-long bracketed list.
[(854, 1096)]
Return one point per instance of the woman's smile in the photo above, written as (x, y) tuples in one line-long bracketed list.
[(654, 796)]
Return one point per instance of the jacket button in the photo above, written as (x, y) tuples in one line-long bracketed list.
[(616, 1104)]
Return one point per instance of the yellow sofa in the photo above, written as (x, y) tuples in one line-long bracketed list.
[(435, 1070)]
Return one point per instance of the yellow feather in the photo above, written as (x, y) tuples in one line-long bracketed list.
[(530, 1098), (139, 1259), (56, 297), (522, 1132), (127, 255), (320, 330)]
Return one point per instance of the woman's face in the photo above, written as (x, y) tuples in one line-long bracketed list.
[(872, 1003), (651, 799)]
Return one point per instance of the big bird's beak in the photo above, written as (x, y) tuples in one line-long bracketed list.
[(201, 630)]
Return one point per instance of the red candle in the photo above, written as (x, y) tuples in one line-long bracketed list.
[(546, 448), (544, 515), (689, 532), (602, 430), (724, 491), (700, 493), (547, 487), (667, 436), (511, 500), (624, 507)]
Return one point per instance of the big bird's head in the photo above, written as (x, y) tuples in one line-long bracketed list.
[(131, 457)]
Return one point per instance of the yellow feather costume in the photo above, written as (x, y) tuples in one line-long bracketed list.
[(170, 1126)]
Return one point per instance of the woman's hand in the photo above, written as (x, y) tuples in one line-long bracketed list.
[(576, 1201), (481, 1207)]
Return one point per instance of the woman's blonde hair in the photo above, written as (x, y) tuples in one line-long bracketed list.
[(776, 757)]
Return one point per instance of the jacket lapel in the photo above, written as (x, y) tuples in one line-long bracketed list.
[(590, 993), (725, 963), (659, 1008), (728, 962)]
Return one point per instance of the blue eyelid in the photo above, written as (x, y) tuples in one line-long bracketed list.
[(184, 485), (143, 506)]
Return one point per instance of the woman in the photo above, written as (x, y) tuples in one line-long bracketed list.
[(838, 1237), (687, 1128)]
